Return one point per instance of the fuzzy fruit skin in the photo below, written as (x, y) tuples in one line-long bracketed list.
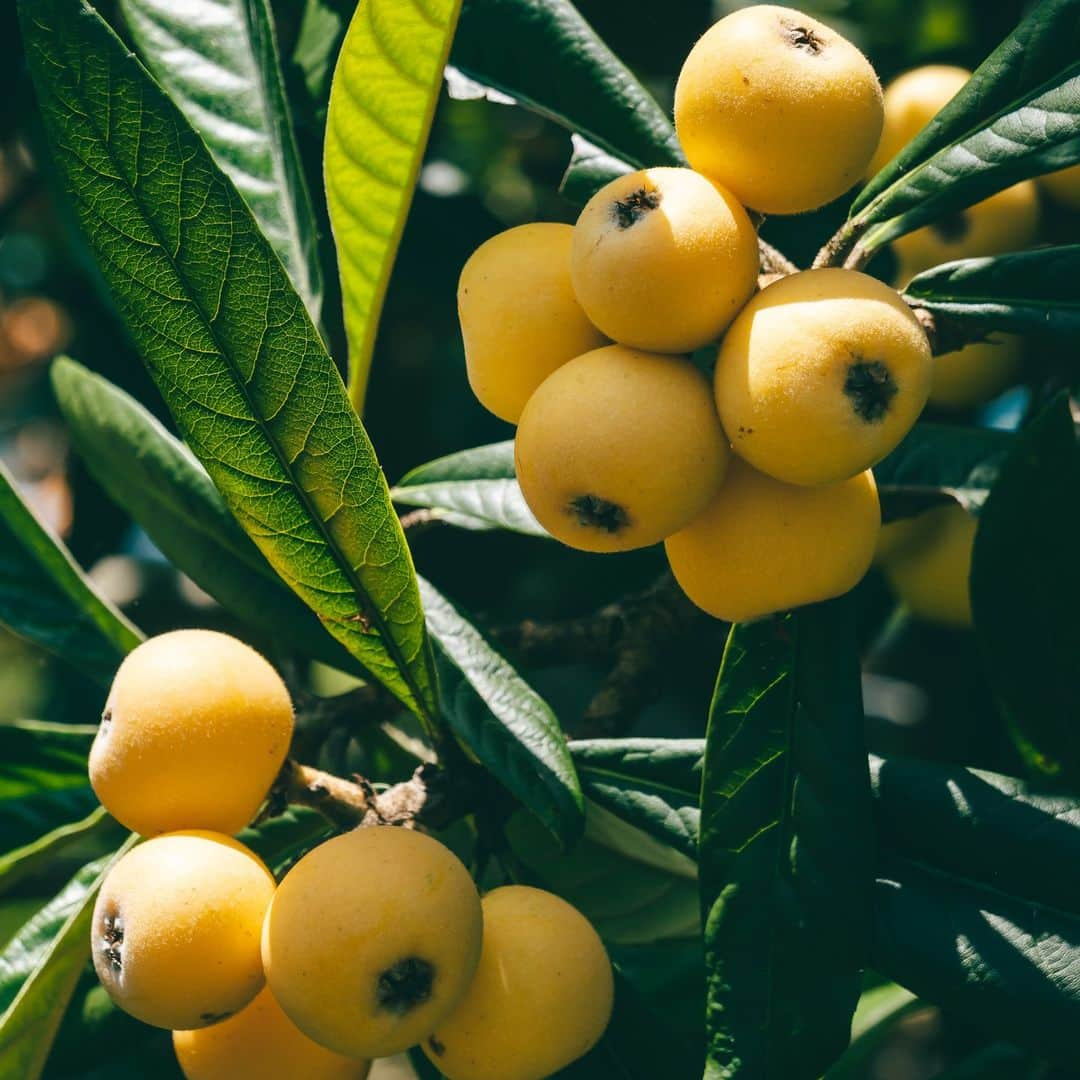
[(542, 996), (763, 546), (260, 1043), (352, 909), (636, 430), (1063, 186), (667, 277), (912, 100), (930, 575), (519, 317), (778, 108), (196, 727), (796, 378), (190, 907), (976, 373)]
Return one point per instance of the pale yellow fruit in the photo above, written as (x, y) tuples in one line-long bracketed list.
[(778, 108), (619, 448), (175, 932), (763, 546), (898, 535), (976, 373), (195, 729), (260, 1043), (662, 259), (821, 375), (912, 100), (1063, 186), (372, 938), (542, 995), (931, 575), (1007, 221), (519, 317)]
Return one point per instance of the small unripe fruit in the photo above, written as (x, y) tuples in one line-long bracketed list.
[(821, 375), (1063, 186), (176, 928), (620, 448), (195, 729), (780, 109), (519, 317), (372, 938), (662, 259), (930, 575), (260, 1043), (912, 100), (542, 995), (763, 546), (976, 373)]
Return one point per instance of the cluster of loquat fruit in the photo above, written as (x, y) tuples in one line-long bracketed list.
[(375, 941), (593, 338)]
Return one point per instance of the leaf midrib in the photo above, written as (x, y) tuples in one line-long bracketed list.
[(347, 571)]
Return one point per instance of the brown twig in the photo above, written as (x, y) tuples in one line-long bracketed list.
[(838, 249), (946, 335), (774, 261), (422, 518)]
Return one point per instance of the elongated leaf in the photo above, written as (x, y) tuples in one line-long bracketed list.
[(1025, 592), (473, 489), (879, 1009), (39, 969), (229, 343), (1030, 293), (589, 170), (653, 784), (503, 721), (990, 829), (92, 831), (545, 56), (219, 62), (937, 462), (1018, 116), (157, 480), (1007, 964), (386, 83), (318, 41), (46, 598), (786, 847)]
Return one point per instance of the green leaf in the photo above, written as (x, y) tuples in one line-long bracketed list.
[(160, 483), (46, 598), (1025, 592), (546, 57), (40, 967), (318, 41), (879, 1009), (503, 721), (229, 343), (473, 489), (1017, 117), (386, 84), (1030, 293), (937, 462), (220, 64), (281, 840), (589, 170), (786, 847), (653, 784)]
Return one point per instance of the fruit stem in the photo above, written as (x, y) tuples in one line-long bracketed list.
[(840, 244)]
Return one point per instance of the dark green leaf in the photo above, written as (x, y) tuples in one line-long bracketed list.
[(786, 847), (221, 66), (280, 841), (873, 1023), (318, 40), (161, 484), (1025, 592), (589, 170), (46, 598), (1017, 117), (91, 836), (1005, 963), (228, 342), (545, 56), (653, 784), (473, 489), (503, 721), (1030, 293), (39, 969), (937, 462)]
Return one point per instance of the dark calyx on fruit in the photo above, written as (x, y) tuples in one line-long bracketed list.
[(635, 206), (870, 387), (802, 37), (592, 512), (405, 985), (112, 940)]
